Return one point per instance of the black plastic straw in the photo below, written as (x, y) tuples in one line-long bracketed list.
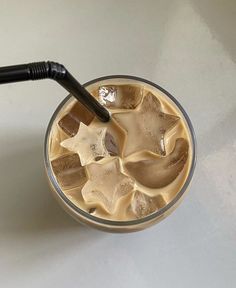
[(57, 72)]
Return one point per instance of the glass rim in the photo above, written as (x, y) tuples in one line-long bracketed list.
[(117, 223)]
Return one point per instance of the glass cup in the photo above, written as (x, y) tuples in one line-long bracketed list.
[(110, 225)]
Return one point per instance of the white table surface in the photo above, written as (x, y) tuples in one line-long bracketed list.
[(189, 48)]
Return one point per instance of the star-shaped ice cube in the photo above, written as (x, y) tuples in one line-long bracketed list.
[(146, 126), (106, 184), (89, 143)]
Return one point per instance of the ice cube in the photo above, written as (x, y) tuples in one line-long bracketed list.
[(120, 96), (147, 125), (107, 95), (88, 143), (68, 171), (56, 137), (106, 185), (143, 205), (160, 171), (70, 122)]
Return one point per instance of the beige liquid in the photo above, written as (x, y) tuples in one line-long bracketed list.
[(157, 187)]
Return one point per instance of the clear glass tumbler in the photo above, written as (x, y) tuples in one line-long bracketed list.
[(110, 225)]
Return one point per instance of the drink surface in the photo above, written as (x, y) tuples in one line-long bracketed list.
[(130, 167)]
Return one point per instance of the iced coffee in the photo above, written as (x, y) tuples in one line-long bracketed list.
[(128, 168)]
